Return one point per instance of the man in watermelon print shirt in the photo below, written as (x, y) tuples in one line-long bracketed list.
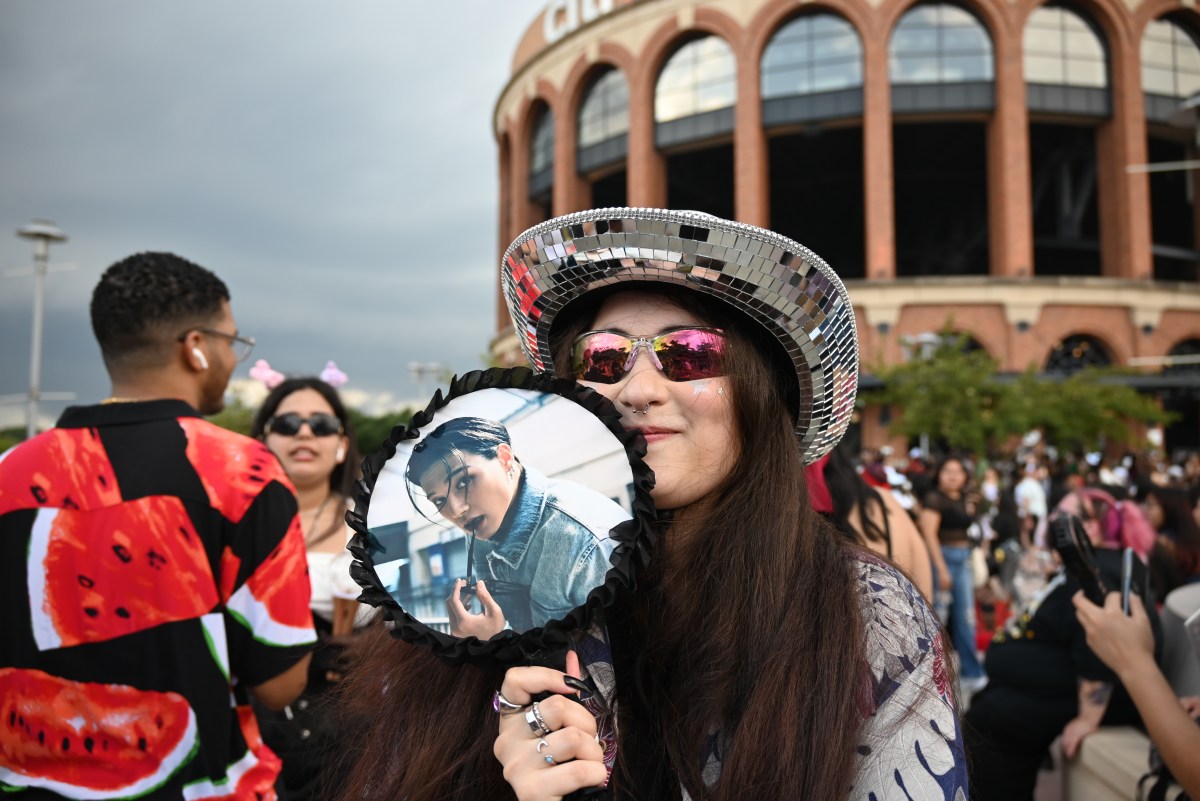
[(152, 568)]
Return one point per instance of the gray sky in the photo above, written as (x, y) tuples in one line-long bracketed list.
[(332, 162)]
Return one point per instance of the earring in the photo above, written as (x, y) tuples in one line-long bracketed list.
[(511, 471), (341, 454)]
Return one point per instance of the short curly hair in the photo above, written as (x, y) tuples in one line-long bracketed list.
[(143, 301)]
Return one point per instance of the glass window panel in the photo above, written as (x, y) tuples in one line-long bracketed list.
[(698, 75), (1044, 69), (604, 112), (953, 15), (782, 54), (940, 42), (821, 44), (1083, 44), (1158, 81), (1042, 41), (541, 145), (908, 39), (1187, 56), (916, 70), (826, 25), (966, 68), (710, 97), (1086, 73), (1170, 60), (973, 40), (1062, 48), (828, 77), (1157, 54)]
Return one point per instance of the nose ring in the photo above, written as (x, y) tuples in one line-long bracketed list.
[(642, 411)]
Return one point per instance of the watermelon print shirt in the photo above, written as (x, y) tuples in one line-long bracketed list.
[(152, 568)]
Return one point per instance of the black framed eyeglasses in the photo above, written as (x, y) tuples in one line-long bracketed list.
[(242, 346)]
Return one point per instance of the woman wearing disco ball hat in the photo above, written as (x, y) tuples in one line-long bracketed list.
[(760, 653)]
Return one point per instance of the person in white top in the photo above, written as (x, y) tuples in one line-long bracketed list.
[(1031, 507), (304, 423)]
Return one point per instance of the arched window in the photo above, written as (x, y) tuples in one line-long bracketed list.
[(1062, 49), (1077, 352), (1170, 60), (940, 43), (604, 112), (1185, 357), (699, 77), (811, 54), (541, 153)]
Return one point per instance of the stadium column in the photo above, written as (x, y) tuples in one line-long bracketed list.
[(751, 182), (878, 187), (646, 178), (571, 192), (1010, 204), (1124, 198)]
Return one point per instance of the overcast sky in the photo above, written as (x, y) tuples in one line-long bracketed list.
[(332, 162)]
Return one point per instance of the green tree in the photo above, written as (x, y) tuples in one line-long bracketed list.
[(371, 431), (10, 437), (236, 416), (950, 394), (956, 397)]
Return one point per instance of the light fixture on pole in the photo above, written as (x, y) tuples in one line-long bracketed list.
[(42, 232)]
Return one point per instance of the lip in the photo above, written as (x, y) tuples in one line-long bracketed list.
[(303, 454), (654, 433), (474, 524)]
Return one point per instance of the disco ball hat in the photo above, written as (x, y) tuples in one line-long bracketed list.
[(777, 283)]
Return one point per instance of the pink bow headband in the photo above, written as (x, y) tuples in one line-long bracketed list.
[(262, 371)]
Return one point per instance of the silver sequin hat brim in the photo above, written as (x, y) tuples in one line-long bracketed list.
[(776, 282)]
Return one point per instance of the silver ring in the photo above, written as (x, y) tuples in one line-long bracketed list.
[(537, 724), (642, 411), (503, 705), (548, 758)]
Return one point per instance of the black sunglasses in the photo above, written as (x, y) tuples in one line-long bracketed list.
[(288, 425)]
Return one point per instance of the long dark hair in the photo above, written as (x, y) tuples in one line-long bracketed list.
[(849, 493), (1180, 526), (749, 615), (343, 475)]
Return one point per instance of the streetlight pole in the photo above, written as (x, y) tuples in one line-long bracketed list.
[(42, 232)]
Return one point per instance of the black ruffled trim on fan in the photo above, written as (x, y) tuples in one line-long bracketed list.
[(635, 538)]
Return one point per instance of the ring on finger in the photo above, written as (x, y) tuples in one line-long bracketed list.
[(547, 757), (503, 705), (537, 724)]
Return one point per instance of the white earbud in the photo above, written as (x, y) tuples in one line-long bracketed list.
[(341, 453), (199, 354)]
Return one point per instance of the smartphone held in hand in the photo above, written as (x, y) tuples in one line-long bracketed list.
[(1133, 578)]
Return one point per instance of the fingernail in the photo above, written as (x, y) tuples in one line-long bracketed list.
[(575, 684)]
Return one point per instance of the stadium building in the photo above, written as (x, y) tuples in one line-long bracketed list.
[(1015, 169)]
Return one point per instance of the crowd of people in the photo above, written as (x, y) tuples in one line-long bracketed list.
[(181, 618), (1037, 674)]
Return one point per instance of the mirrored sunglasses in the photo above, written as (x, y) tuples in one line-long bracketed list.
[(320, 424), (681, 354)]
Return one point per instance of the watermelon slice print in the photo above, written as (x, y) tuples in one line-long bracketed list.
[(63, 467), (252, 776), (272, 604), (233, 469), (90, 741), (97, 575)]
